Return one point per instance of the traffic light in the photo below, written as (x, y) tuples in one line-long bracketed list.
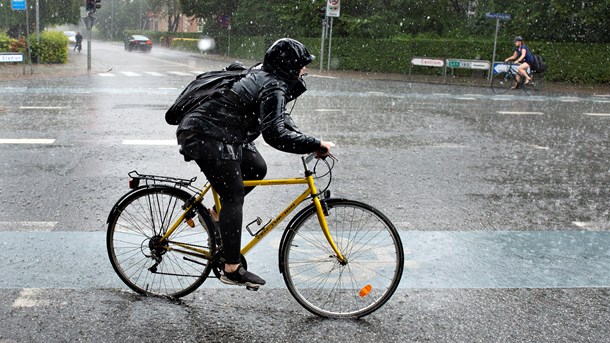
[(90, 5), (323, 12), (98, 4)]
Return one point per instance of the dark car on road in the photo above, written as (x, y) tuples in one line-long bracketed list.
[(138, 42)]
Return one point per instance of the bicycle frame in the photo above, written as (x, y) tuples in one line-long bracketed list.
[(310, 191)]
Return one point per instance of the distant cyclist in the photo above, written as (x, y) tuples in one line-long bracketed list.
[(79, 42), (524, 57)]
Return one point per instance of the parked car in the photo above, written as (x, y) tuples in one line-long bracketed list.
[(71, 36), (138, 42)]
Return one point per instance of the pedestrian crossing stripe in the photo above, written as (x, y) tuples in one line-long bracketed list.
[(152, 73)]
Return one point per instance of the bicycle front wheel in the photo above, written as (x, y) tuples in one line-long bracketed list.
[(144, 262), (501, 82), (328, 288)]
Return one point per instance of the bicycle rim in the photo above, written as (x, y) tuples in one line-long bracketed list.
[(138, 222), (327, 288), (501, 83)]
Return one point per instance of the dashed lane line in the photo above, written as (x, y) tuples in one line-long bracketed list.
[(598, 114), (43, 107), (28, 226), (149, 142), (26, 141), (30, 297), (520, 113)]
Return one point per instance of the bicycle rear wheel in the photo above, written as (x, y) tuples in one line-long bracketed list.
[(139, 257), (536, 85), (501, 82), (324, 286)]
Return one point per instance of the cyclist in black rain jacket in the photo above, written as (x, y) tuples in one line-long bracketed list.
[(218, 135)]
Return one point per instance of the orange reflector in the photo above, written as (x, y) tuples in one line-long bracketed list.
[(365, 291), (190, 222)]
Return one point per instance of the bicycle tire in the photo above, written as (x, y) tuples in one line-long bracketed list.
[(536, 85), (320, 283), (502, 82), (143, 216)]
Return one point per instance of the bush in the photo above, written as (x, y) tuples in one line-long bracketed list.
[(53, 48), (4, 42)]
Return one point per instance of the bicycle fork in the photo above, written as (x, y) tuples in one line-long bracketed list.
[(321, 212)]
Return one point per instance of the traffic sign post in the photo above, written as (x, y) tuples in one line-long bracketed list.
[(497, 17)]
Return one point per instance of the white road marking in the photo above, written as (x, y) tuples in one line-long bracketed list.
[(464, 98), (598, 114), (321, 76), (539, 147), (106, 74), (26, 141), (150, 142), (180, 73), (129, 73), (520, 113), (42, 107), (328, 110), (30, 297), (569, 99), (28, 226), (154, 73)]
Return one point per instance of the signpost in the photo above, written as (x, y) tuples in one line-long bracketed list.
[(21, 5), (331, 11), (497, 17)]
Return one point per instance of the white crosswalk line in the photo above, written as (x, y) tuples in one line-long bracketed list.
[(106, 74), (129, 73), (154, 73), (180, 73)]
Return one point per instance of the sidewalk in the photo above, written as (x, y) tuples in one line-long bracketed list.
[(77, 65)]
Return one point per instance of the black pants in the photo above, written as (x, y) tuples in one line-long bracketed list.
[(226, 176)]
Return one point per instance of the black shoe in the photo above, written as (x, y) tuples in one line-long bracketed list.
[(242, 277)]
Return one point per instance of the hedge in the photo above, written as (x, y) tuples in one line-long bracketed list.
[(53, 47), (568, 62)]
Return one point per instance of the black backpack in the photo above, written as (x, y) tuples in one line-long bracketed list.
[(203, 87), (539, 65)]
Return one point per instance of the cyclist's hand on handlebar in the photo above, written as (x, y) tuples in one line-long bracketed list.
[(324, 149)]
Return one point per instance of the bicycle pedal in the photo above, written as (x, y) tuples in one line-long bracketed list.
[(250, 288)]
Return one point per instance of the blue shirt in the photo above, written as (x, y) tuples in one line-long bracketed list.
[(529, 58)]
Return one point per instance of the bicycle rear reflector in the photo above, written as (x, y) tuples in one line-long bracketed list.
[(365, 291), (134, 182)]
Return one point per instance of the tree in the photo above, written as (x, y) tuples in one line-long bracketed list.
[(51, 12)]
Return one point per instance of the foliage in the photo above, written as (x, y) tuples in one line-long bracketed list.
[(53, 48), (51, 12), (4, 41)]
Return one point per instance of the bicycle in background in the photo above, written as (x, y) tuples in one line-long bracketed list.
[(505, 78)]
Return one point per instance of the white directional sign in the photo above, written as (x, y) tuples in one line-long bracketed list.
[(469, 64), (428, 62), (11, 57)]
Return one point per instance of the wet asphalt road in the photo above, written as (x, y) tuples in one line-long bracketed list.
[(504, 201)]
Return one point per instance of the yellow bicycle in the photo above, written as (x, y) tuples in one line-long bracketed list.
[(339, 258)]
